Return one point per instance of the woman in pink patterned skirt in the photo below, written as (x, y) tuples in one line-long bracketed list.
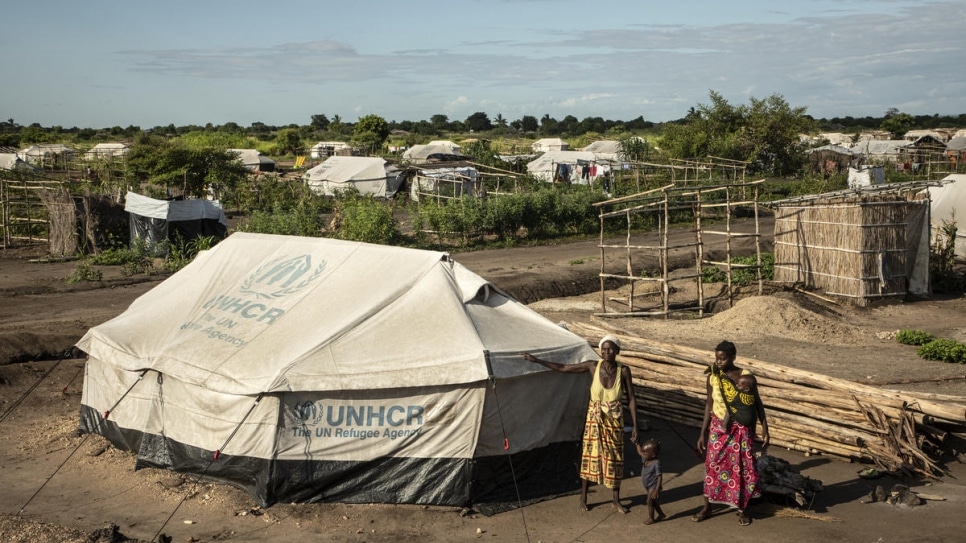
[(728, 434)]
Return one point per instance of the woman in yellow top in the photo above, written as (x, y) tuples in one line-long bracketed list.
[(732, 410), (602, 451)]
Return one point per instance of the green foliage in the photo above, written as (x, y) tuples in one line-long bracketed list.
[(169, 163), (370, 132), (944, 276), (764, 133), (913, 337), (897, 123), (576, 262), (84, 272), (742, 276), (183, 252), (545, 212), (294, 222), (289, 141), (713, 274), (364, 218), (943, 350)]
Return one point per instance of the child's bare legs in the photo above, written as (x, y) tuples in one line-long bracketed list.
[(654, 511)]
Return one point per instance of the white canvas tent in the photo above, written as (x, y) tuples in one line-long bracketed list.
[(369, 175), (948, 204), (549, 144), (309, 369), (107, 150), (568, 166), (421, 154), (254, 160)]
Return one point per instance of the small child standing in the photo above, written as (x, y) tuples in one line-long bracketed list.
[(651, 478)]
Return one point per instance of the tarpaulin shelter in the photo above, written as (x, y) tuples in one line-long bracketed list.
[(310, 369), (154, 221), (368, 175)]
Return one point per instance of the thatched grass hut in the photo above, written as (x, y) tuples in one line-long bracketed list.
[(862, 244)]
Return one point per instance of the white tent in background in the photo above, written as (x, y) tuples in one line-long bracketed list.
[(949, 205), (421, 154), (312, 369), (568, 167), (107, 150), (605, 149), (254, 160), (549, 144), (325, 149), (10, 161), (368, 175), (452, 146)]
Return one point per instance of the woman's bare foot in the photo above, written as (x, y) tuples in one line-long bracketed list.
[(649, 521), (621, 509), (660, 517), (743, 520), (583, 507)]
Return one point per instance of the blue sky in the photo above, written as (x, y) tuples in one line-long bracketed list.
[(102, 63)]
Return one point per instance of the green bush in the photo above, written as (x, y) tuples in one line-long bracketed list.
[(364, 218), (742, 276), (913, 337), (943, 350), (84, 272)]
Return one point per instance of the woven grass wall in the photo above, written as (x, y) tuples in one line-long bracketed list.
[(845, 247)]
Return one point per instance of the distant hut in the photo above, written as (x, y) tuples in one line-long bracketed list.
[(861, 245), (830, 159)]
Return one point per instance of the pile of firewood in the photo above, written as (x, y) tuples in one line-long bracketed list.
[(809, 412)]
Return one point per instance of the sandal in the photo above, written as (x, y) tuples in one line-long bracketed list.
[(743, 520), (701, 515)]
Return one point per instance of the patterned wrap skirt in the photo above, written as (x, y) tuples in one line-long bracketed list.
[(731, 476), (602, 453)]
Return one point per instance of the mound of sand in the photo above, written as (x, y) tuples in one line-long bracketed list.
[(770, 316)]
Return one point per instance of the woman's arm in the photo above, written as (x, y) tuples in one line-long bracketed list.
[(706, 423), (582, 367), (631, 400), (760, 408)]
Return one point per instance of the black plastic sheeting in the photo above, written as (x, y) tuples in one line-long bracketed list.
[(488, 483), (154, 231)]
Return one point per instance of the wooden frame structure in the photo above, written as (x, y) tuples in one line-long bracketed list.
[(24, 216), (700, 202)]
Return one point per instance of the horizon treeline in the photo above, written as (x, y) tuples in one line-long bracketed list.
[(13, 134)]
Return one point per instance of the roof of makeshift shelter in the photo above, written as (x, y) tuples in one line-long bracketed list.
[(342, 169), (956, 144), (832, 148), (879, 147), (857, 193)]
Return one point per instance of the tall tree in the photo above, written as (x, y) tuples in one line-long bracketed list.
[(320, 122), (764, 133), (169, 163), (479, 122), (370, 132)]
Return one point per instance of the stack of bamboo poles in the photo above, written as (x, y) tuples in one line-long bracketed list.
[(806, 411)]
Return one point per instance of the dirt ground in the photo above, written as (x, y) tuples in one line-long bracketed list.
[(62, 487)]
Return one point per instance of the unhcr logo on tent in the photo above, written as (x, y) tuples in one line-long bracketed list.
[(272, 281), (280, 277)]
